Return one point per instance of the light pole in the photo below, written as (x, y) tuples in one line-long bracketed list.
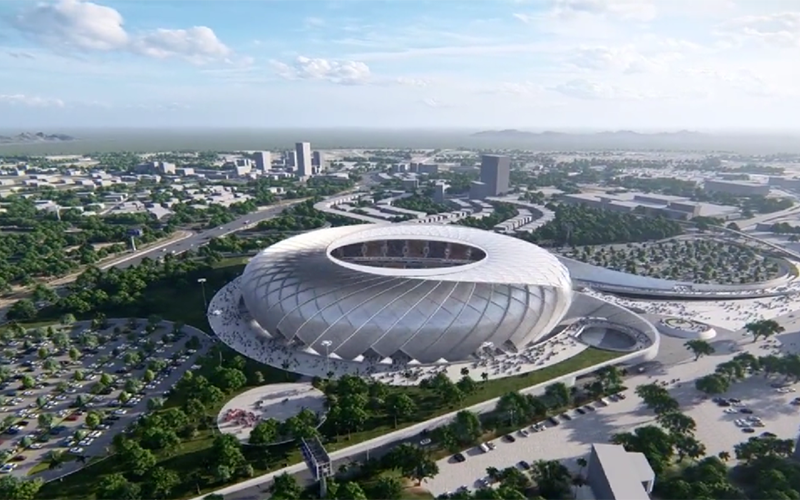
[(327, 345), (202, 282)]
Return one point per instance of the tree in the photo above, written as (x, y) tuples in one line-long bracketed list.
[(135, 458), (763, 328), (712, 384), (688, 446), (656, 445), (699, 348), (45, 421), (160, 482), (285, 487), (610, 378), (558, 394), (387, 488), (229, 379), (552, 478), (466, 427), (265, 432), (116, 487), (657, 398), (67, 319), (400, 406), (227, 451), (74, 354), (350, 491), (13, 488), (677, 423), (23, 309), (412, 461)]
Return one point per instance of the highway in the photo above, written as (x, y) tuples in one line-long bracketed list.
[(199, 239)]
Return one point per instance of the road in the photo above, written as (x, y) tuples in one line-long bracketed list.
[(244, 222), (758, 219), (304, 477), (199, 239)]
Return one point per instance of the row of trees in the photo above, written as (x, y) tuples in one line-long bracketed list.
[(765, 469), (502, 212), (579, 225), (303, 217), (41, 246), (421, 203)]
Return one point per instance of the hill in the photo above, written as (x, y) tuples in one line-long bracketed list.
[(38, 137)]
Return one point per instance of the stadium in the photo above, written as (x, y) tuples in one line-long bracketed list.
[(381, 299)]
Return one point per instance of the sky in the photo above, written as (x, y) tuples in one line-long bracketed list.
[(480, 64)]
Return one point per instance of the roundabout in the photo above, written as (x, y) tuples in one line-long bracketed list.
[(278, 402), (687, 329)]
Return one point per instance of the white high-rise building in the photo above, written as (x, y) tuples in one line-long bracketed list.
[(303, 150), (263, 160)]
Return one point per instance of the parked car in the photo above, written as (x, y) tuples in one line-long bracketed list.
[(459, 457)]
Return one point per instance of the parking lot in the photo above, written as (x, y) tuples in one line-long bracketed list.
[(753, 407), (54, 381)]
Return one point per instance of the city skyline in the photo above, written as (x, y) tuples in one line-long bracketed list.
[(533, 64)]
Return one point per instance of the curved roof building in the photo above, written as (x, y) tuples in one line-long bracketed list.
[(421, 292)]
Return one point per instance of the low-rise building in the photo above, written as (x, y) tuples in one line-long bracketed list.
[(615, 474), (738, 188)]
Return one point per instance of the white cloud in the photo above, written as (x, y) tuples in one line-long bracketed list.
[(330, 70), (32, 101), (86, 26), (76, 24), (775, 30), (198, 45), (625, 59)]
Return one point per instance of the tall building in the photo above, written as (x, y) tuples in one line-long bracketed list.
[(318, 161), (303, 150), (495, 172), (440, 192), (263, 160)]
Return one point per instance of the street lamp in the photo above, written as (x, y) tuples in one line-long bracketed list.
[(202, 282), (326, 344)]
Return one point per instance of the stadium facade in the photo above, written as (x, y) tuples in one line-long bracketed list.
[(426, 293), (410, 294)]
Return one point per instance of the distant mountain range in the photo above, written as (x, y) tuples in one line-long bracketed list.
[(29, 138), (608, 139)]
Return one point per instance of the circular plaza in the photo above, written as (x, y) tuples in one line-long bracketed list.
[(684, 328), (278, 402)]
